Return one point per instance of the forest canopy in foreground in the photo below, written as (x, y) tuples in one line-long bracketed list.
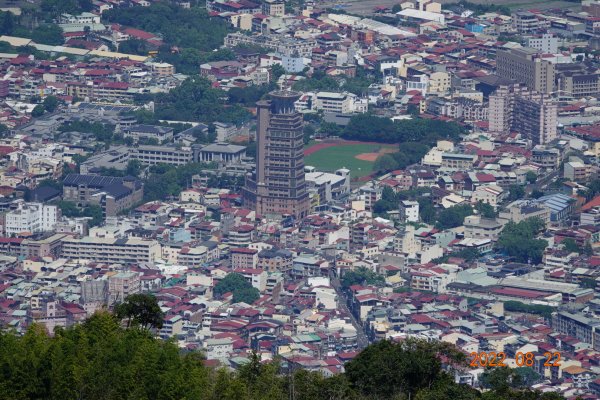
[(100, 359)]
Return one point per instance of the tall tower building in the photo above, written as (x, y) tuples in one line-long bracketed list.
[(277, 185)]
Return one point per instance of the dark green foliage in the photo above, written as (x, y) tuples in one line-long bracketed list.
[(467, 254), (140, 310), (248, 96), (134, 46), (515, 192), (385, 370), (57, 7), (570, 245), (166, 180), (453, 216), (102, 132), (93, 211), (518, 240), (362, 276), (427, 211), (192, 31), (100, 360), (385, 163), (134, 167), (388, 201), (236, 284), (277, 71), (50, 103), (427, 131), (517, 306), (485, 210), (196, 100), (478, 8), (186, 28), (38, 111), (319, 81), (593, 188), (50, 34), (531, 177)]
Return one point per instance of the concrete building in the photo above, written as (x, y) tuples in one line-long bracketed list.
[(528, 22), (121, 285), (112, 194), (152, 155), (576, 171), (220, 152), (526, 66), (577, 80), (409, 211), (330, 102), (278, 185), (274, 8), (546, 43), (533, 115), (477, 227), (578, 326), (149, 132), (107, 250), (31, 218)]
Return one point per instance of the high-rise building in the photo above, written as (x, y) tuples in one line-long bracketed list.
[(277, 186), (532, 114), (525, 65)]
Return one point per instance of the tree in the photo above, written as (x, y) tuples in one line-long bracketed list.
[(140, 310), (362, 276), (49, 34), (388, 370), (531, 177), (485, 210), (236, 284), (50, 103), (277, 71), (37, 111), (309, 132), (385, 163), (536, 194), (454, 216), (7, 23), (134, 167), (396, 8), (134, 46), (518, 240), (570, 245), (515, 192)]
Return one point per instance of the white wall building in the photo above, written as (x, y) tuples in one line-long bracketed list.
[(31, 217), (409, 211)]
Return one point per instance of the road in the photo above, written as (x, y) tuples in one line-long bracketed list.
[(542, 183), (362, 339)]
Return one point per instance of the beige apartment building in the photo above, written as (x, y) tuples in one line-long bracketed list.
[(525, 65), (534, 115), (109, 250)]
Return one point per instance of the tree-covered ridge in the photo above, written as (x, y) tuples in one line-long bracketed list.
[(100, 359), (196, 100), (189, 35)]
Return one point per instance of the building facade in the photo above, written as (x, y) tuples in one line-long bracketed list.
[(278, 184)]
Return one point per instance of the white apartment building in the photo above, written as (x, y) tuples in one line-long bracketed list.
[(546, 43), (409, 211), (107, 250), (330, 102), (31, 217)]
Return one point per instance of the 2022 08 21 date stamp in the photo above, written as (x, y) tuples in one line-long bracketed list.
[(493, 359)]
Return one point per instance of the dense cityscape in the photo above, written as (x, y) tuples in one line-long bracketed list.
[(269, 199)]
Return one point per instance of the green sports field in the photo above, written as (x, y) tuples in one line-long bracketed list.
[(343, 155)]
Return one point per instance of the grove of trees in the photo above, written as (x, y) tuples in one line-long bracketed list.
[(100, 359), (518, 240)]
